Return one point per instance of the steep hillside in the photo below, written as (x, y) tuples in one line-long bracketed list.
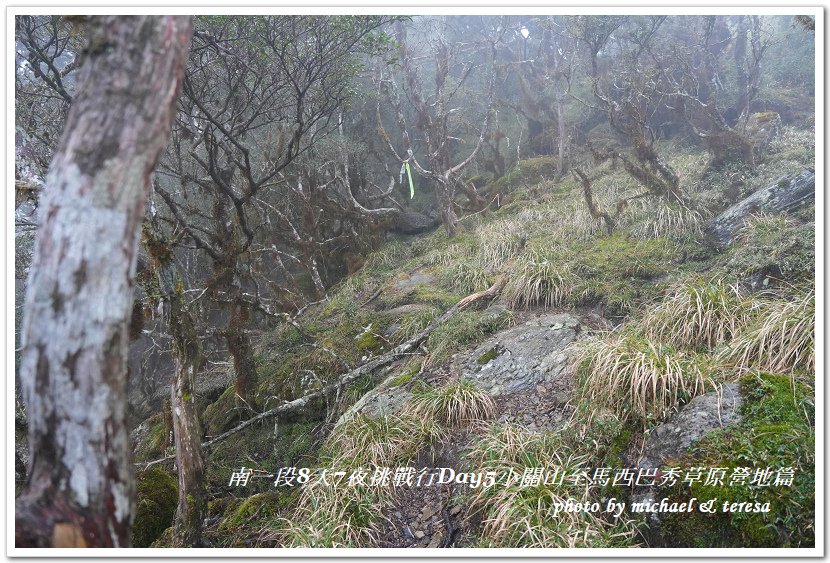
[(578, 342)]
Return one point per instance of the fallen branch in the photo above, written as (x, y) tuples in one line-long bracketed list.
[(373, 296), (489, 292), (367, 368)]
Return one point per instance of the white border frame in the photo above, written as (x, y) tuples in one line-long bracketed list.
[(486, 7)]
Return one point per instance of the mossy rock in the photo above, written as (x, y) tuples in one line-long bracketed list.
[(410, 370), (463, 330), (490, 354), (157, 498), (774, 250), (255, 507), (222, 414), (777, 431)]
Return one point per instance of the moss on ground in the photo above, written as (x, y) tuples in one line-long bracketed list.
[(157, 495), (558, 256), (618, 272)]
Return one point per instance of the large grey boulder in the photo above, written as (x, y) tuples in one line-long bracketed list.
[(790, 193)]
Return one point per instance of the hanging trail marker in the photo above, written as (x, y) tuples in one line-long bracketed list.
[(411, 185)]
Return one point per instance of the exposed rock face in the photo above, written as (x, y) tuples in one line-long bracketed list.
[(384, 400), (669, 440), (524, 356), (788, 194), (528, 359), (702, 414)]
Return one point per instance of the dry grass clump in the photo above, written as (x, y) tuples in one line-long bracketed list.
[(467, 277), (458, 404), (637, 379), (389, 256), (765, 228), (521, 514), (539, 279), (498, 242), (342, 515), (412, 324), (700, 312), (447, 255), (377, 442), (794, 144), (330, 517), (347, 515), (782, 340), (565, 219), (671, 221)]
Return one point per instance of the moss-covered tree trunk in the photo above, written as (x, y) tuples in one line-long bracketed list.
[(187, 433), (187, 525), (80, 290), (239, 345)]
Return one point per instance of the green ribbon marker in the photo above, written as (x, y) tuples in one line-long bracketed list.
[(411, 185)]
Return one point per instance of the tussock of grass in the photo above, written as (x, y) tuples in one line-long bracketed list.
[(794, 144), (776, 246), (458, 404), (467, 277), (344, 299), (615, 270), (669, 221), (446, 256), (498, 242), (347, 516), (702, 312), (539, 279), (414, 323), (521, 516), (782, 340), (330, 517), (376, 442), (565, 219), (636, 378), (390, 256)]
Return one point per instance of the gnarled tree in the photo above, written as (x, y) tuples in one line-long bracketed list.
[(435, 120), (259, 95)]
